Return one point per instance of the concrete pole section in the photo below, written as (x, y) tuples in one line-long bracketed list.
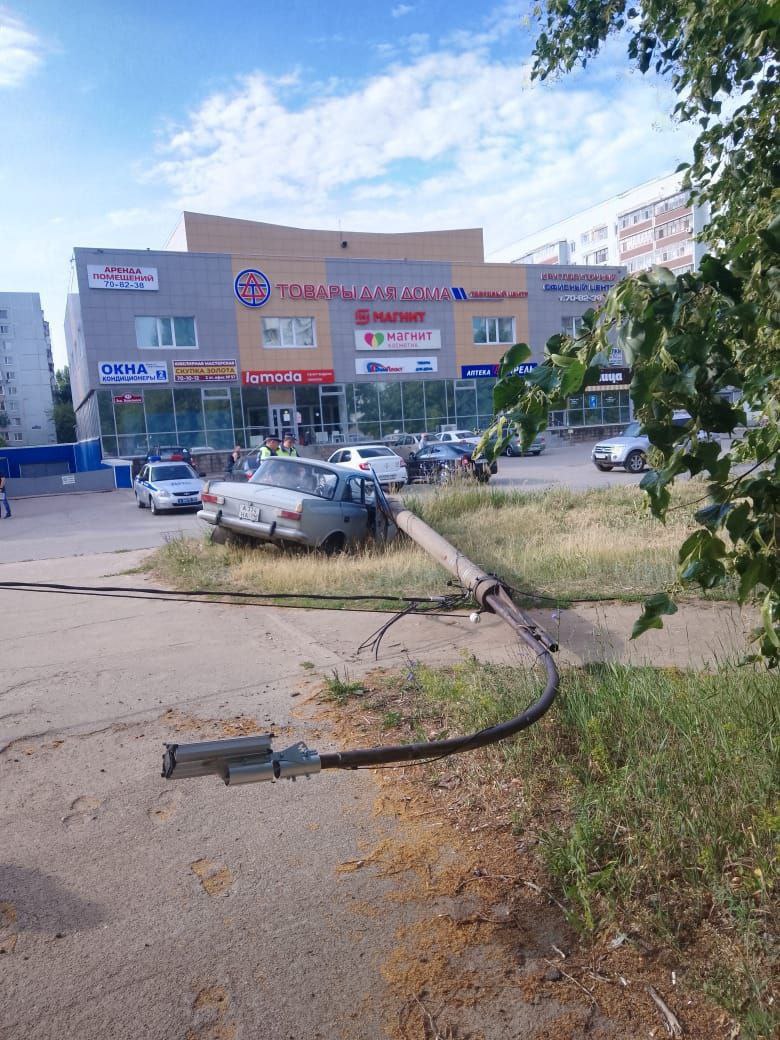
[(471, 577)]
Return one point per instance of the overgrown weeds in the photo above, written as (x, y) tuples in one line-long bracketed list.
[(651, 795)]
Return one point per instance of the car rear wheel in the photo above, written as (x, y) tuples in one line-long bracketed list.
[(333, 544), (510, 451), (604, 468), (635, 462)]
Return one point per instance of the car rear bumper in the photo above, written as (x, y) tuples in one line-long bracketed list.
[(255, 528)]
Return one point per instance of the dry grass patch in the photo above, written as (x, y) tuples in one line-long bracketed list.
[(598, 544)]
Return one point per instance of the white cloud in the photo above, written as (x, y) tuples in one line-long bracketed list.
[(21, 51), (445, 139), (401, 10)]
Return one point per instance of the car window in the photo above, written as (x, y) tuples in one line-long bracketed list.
[(354, 490), (425, 453), (373, 453), (175, 472), (632, 430), (144, 474), (296, 476)]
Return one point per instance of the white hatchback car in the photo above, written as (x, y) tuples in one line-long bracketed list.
[(389, 467)]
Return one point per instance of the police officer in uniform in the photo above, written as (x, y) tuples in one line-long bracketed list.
[(288, 448), (270, 449)]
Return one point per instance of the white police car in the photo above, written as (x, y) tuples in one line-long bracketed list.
[(167, 485)]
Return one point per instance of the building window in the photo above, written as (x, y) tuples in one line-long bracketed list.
[(16, 437), (571, 326), (674, 227), (674, 251), (3, 315), (8, 359), (599, 257), (595, 235), (9, 375), (678, 201), (12, 390), (493, 330), (16, 421), (638, 263), (5, 330), (165, 333), (636, 216), (634, 241), (289, 332)]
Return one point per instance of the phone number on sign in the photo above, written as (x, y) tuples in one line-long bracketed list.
[(111, 284)]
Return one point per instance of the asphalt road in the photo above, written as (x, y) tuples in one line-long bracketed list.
[(70, 525)]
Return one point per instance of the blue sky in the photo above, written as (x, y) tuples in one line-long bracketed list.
[(369, 116)]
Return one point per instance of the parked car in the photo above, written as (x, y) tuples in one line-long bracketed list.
[(404, 444), (246, 466), (630, 448), (167, 485), (453, 436), (439, 463), (538, 445), (169, 453), (293, 502), (389, 467)]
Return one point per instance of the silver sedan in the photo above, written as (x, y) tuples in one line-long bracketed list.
[(294, 502), (167, 485)]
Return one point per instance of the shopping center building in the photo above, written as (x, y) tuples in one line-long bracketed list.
[(238, 328)]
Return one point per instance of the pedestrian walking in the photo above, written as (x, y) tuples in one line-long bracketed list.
[(288, 447), (4, 496)]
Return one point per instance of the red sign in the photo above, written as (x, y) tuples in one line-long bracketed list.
[(128, 398), (366, 317), (288, 376)]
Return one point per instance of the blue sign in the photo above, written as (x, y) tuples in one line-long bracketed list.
[(491, 371), (252, 288)]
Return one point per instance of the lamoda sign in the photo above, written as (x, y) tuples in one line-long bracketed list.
[(288, 377)]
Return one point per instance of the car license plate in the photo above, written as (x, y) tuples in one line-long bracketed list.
[(249, 511), (189, 501)]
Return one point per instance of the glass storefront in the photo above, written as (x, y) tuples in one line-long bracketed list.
[(131, 424)]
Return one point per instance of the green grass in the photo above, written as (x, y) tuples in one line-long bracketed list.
[(599, 544), (668, 782)]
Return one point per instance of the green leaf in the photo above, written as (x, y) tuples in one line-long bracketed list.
[(515, 356), (750, 577), (654, 607), (737, 520), (572, 380)]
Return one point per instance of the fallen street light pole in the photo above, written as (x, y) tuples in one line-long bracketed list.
[(241, 760)]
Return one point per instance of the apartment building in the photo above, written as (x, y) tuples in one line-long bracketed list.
[(651, 224), (26, 371)]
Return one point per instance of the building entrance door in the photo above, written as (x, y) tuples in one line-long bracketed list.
[(282, 419)]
